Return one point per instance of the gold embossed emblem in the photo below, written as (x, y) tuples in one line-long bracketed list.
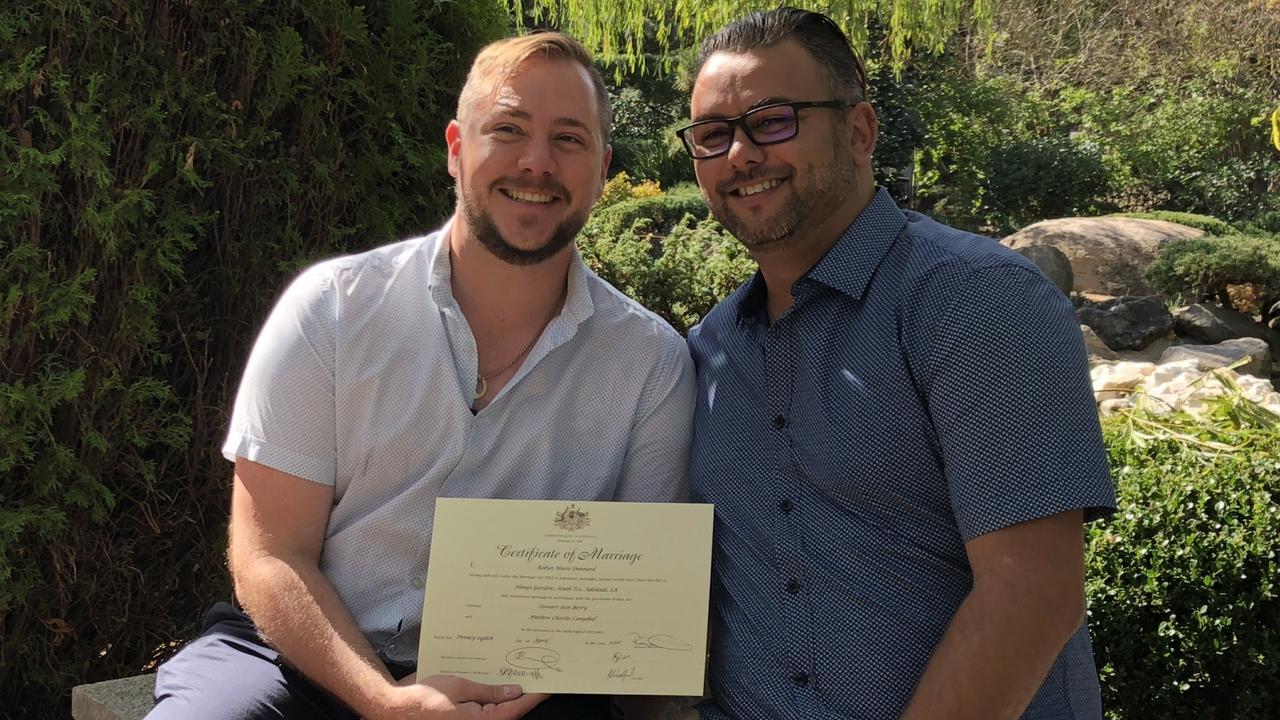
[(571, 518)]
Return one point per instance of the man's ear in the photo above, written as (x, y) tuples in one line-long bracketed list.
[(863, 129), (604, 168), (453, 144)]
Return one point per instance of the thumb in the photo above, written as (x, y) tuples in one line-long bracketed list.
[(463, 690)]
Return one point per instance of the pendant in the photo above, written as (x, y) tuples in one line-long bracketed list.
[(482, 387)]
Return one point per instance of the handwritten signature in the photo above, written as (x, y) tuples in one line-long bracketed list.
[(534, 658), (660, 641)]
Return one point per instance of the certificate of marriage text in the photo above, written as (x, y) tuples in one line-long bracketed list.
[(569, 597)]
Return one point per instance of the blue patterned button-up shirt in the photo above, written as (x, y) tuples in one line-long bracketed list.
[(928, 386)]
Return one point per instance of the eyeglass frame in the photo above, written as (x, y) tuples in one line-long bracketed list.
[(741, 122)]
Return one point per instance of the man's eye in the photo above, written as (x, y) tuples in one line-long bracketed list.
[(507, 130), (712, 136), (771, 122), (573, 139)]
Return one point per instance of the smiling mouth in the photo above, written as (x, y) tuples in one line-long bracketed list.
[(528, 197), (749, 190)]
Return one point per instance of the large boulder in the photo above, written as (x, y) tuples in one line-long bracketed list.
[(1053, 263), (1128, 323), (1108, 255), (1209, 324), (1253, 351)]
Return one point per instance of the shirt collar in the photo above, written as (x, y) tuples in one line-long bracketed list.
[(848, 265)]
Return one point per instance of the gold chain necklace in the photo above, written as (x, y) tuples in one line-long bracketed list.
[(482, 380)]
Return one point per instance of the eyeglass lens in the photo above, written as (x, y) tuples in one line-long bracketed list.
[(764, 125)]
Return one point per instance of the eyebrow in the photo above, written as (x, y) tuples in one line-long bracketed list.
[(771, 100), (516, 112)]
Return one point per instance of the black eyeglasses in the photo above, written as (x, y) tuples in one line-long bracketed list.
[(764, 125)]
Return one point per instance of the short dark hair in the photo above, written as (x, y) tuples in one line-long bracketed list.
[(815, 32)]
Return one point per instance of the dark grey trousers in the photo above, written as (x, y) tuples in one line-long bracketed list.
[(228, 673)]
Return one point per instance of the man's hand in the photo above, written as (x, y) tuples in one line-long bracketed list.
[(446, 696)]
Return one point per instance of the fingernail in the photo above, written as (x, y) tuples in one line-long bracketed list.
[(510, 691)]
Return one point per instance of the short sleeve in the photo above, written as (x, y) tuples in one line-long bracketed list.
[(284, 410), (657, 463), (1008, 392)]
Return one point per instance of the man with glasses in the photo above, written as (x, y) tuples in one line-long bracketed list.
[(894, 421)]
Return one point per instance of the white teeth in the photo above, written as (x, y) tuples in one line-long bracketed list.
[(758, 187), (530, 197)]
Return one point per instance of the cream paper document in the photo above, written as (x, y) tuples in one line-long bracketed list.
[(569, 597)]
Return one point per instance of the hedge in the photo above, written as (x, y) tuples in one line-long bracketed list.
[(1182, 580), (164, 169)]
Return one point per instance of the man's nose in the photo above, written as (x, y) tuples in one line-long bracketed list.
[(538, 157), (742, 150)]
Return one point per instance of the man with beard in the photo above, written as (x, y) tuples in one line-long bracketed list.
[(894, 421), (483, 360)]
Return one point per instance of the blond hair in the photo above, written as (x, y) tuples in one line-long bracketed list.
[(498, 60)]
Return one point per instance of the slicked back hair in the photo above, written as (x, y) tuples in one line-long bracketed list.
[(815, 32), (498, 60)]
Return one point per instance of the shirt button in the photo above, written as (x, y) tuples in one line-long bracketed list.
[(779, 422), (793, 587), (418, 582), (800, 679), (785, 506)]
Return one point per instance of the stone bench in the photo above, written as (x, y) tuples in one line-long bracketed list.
[(123, 699)]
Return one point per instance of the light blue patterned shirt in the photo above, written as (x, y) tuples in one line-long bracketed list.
[(928, 386)]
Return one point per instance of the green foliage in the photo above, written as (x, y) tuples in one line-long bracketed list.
[(1191, 146), (1197, 269), (1182, 580), (163, 171), (1210, 225), (658, 213), (646, 113), (894, 96), (633, 31), (1044, 177), (968, 119), (664, 252)]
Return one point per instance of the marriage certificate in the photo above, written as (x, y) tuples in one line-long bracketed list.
[(561, 597)]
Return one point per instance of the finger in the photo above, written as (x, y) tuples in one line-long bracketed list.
[(461, 690), (514, 708)]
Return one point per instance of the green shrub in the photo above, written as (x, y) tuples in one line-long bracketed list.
[(1044, 177), (666, 253), (647, 109), (1267, 223), (1182, 580), (1211, 225), (1198, 269), (164, 169), (660, 213), (1184, 145)]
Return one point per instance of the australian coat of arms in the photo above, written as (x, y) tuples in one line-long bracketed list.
[(571, 518)]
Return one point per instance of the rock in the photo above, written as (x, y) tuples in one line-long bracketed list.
[(1097, 349), (1108, 254), (1183, 386), (1128, 323), (1112, 405), (122, 699), (1119, 380), (1053, 263), (1150, 353), (1208, 357), (1210, 324)]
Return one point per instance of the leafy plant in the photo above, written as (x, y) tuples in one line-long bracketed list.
[(1182, 580), (164, 169), (1210, 225), (1203, 268)]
